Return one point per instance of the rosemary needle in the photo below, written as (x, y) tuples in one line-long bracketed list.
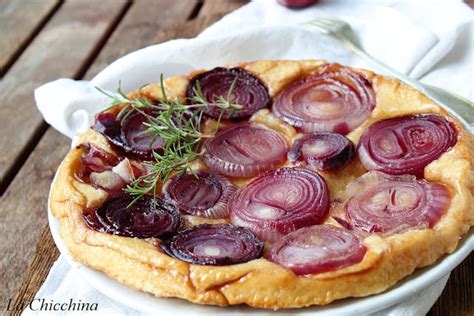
[(177, 124)]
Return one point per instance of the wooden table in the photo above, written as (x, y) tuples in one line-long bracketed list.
[(45, 40)]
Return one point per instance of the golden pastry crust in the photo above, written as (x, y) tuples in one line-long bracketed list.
[(261, 283)]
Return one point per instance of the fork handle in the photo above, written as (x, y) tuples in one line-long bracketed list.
[(461, 106)]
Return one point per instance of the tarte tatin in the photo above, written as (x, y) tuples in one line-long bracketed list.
[(276, 184)]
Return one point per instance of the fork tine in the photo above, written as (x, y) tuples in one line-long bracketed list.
[(320, 26), (321, 23), (325, 20), (337, 21), (331, 19), (327, 23)]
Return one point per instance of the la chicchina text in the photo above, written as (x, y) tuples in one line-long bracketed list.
[(40, 304)]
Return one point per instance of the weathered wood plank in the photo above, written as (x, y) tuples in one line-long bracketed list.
[(37, 271), (19, 21), (23, 211), (62, 49), (188, 29), (139, 27), (458, 295), (124, 40), (80, 26), (211, 7)]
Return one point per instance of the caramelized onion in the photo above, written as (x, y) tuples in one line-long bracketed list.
[(388, 204), (336, 99), (98, 169), (323, 151), (220, 244), (106, 171), (279, 202), (247, 91), (147, 217), (204, 194), (126, 170), (97, 159), (405, 145), (245, 150), (317, 249), (129, 135), (107, 180)]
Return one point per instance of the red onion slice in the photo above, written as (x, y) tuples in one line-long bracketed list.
[(106, 171), (92, 221), (106, 124), (147, 217), (389, 204), (205, 194), (245, 150), (317, 249), (248, 91), (405, 145), (323, 151), (96, 159), (336, 99), (129, 134), (97, 169), (108, 181), (138, 142), (279, 202), (221, 244)]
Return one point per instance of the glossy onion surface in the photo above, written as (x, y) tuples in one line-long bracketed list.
[(279, 202), (205, 194), (245, 150), (220, 244), (336, 99), (318, 249), (143, 219), (128, 135), (248, 91), (322, 151), (405, 145), (96, 159), (97, 169), (388, 204)]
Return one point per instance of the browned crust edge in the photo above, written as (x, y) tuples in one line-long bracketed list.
[(260, 283)]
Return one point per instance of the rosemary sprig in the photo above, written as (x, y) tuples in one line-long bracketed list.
[(177, 124)]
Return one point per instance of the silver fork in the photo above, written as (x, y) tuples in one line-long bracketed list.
[(343, 31)]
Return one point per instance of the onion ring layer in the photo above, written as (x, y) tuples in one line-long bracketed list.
[(147, 217), (205, 194), (245, 150), (317, 249), (220, 244), (322, 151), (279, 202), (388, 204), (336, 99), (129, 134), (405, 145), (247, 91)]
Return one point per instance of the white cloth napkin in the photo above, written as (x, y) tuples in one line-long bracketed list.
[(415, 37), (411, 36)]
